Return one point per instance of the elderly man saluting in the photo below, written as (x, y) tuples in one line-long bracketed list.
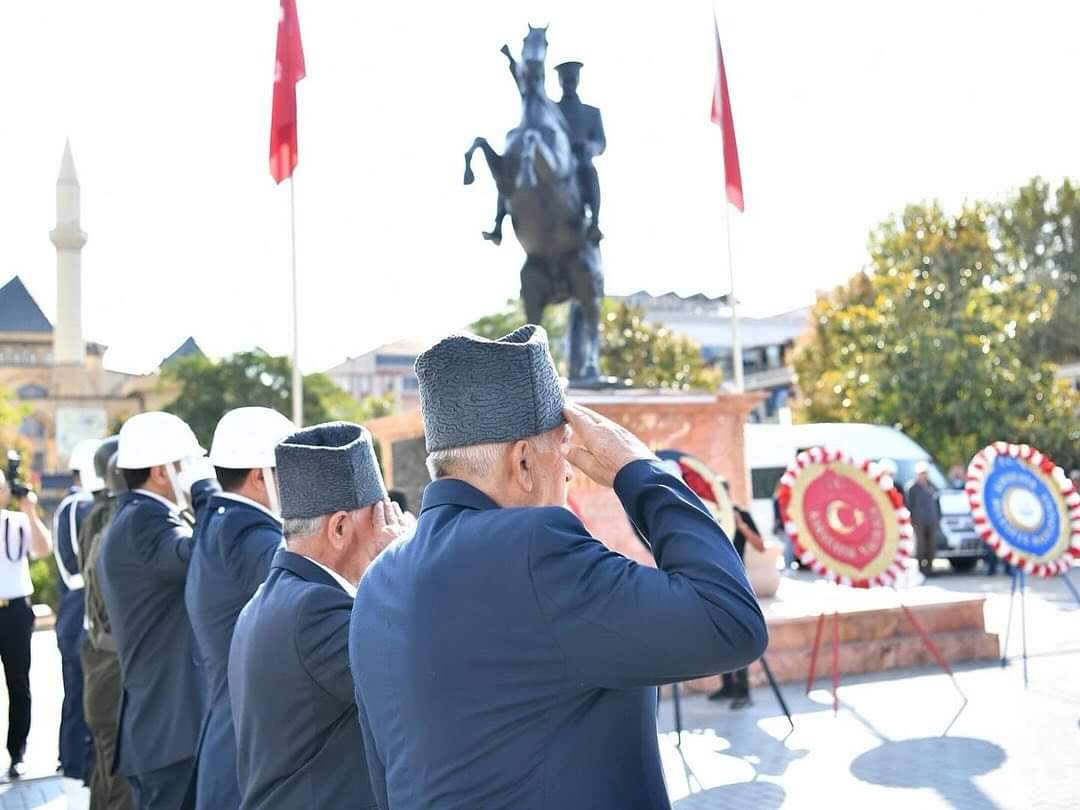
[(505, 658), (298, 741)]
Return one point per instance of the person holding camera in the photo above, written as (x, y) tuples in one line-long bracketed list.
[(25, 537)]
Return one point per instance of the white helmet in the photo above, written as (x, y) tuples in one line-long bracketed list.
[(888, 465), (153, 438), (82, 462), (245, 438)]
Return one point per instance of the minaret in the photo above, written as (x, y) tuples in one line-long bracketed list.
[(68, 346)]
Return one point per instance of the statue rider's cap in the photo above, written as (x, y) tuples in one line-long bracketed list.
[(327, 468), (569, 69), (479, 391)]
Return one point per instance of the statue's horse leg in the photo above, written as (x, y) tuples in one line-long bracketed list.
[(526, 177), (587, 282), (495, 166), (493, 158), (535, 288)]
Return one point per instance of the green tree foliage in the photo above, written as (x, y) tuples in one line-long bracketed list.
[(1038, 239), (939, 338), (647, 355), (210, 388)]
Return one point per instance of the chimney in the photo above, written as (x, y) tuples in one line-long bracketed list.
[(68, 346)]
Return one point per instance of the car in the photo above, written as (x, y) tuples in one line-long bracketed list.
[(771, 448)]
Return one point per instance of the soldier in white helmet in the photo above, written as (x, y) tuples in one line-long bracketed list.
[(142, 566), (67, 522), (235, 543)]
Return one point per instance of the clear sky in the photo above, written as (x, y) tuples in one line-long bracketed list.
[(844, 112)]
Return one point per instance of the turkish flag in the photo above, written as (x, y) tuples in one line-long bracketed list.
[(288, 70), (721, 116)]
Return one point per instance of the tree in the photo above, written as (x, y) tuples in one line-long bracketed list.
[(208, 389), (645, 354), (937, 337), (1038, 238)]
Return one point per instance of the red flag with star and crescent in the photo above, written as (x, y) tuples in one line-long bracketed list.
[(721, 116), (288, 70)]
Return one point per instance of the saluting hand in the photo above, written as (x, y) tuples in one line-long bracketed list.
[(599, 447), (389, 523)]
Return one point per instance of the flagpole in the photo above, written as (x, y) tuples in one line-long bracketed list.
[(736, 342), (297, 378)]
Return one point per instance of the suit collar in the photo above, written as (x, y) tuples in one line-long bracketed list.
[(142, 494), (304, 568), (232, 498), (452, 491)]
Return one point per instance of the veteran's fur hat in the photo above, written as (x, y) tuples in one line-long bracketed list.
[(479, 391), (327, 468)]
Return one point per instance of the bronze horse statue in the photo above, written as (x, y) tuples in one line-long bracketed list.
[(537, 182)]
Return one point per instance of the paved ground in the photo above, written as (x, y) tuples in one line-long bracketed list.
[(1010, 748)]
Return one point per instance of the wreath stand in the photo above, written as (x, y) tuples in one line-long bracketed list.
[(915, 623)]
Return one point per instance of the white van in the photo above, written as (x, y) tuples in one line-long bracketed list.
[(771, 448)]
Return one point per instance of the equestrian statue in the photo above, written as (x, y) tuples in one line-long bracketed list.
[(547, 183)]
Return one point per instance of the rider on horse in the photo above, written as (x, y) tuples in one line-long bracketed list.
[(587, 139)]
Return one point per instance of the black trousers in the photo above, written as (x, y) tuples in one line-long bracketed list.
[(16, 628), (738, 681)]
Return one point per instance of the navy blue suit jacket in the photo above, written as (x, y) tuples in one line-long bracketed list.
[(504, 658), (298, 739), (72, 609), (142, 566), (234, 545)]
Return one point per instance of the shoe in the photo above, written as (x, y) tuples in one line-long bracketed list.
[(722, 694), (741, 702), (16, 771)]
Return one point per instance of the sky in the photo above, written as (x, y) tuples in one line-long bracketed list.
[(844, 113)]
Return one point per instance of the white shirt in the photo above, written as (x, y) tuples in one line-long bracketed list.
[(232, 496), (346, 586), (15, 579), (172, 506)]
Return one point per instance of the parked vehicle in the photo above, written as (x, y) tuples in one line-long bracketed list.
[(771, 448)]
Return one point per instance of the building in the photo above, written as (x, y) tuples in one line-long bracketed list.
[(382, 371), (51, 370), (767, 343)]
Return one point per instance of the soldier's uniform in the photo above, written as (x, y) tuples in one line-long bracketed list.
[(586, 130), (101, 669), (67, 520)]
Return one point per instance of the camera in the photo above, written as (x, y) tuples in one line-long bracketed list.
[(15, 484)]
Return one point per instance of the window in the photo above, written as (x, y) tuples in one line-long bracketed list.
[(32, 428), (32, 391), (763, 481)]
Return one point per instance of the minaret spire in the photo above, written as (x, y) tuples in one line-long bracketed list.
[(68, 237)]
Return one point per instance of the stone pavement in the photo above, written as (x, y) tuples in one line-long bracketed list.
[(1011, 748)]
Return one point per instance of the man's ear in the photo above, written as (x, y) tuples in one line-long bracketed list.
[(158, 475), (337, 529), (521, 465)]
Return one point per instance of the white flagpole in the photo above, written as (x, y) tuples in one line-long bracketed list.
[(297, 378), (736, 342)]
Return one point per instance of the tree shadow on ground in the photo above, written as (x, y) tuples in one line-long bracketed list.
[(947, 765), (759, 795)]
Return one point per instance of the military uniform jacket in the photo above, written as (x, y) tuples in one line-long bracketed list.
[(504, 658), (234, 545), (585, 125), (98, 629), (298, 740), (141, 568)]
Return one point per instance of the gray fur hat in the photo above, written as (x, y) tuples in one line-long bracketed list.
[(479, 391), (327, 468)]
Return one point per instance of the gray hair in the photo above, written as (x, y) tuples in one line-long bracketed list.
[(303, 527), (476, 461)]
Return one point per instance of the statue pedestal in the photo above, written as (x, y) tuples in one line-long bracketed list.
[(707, 426)]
